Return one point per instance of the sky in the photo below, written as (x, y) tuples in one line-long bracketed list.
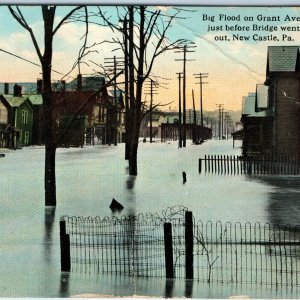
[(234, 67)]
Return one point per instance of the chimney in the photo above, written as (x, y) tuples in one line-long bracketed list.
[(63, 85), (17, 90), (6, 88), (79, 82), (39, 86)]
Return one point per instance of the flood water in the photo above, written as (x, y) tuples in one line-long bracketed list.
[(87, 180)]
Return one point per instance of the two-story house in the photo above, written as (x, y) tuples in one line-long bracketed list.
[(17, 119), (283, 80)]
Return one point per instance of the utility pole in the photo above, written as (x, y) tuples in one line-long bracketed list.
[(184, 48), (114, 64), (151, 89), (228, 124), (201, 76), (222, 122), (195, 119), (179, 108), (220, 118)]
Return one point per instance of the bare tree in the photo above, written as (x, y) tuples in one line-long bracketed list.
[(45, 58), (143, 41)]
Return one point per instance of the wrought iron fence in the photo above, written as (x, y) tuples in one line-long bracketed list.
[(227, 253)]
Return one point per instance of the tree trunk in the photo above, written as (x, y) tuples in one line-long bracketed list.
[(133, 158), (138, 100), (48, 106), (131, 100), (125, 40)]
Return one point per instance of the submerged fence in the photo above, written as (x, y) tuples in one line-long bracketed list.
[(176, 245), (268, 164)]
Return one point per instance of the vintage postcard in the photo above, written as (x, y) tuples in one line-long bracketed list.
[(149, 151)]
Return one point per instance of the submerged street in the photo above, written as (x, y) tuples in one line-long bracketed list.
[(87, 180)]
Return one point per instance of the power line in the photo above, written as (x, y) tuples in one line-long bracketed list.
[(27, 60)]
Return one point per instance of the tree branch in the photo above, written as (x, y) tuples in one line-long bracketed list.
[(66, 17), (22, 21)]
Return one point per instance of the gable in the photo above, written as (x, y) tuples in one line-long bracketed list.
[(25, 106), (14, 101)]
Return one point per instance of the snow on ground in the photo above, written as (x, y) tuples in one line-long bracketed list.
[(87, 180)]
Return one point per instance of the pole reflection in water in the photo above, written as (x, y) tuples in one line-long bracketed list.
[(188, 293), (64, 284), (48, 230), (169, 288), (130, 182)]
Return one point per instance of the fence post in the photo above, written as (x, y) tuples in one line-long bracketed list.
[(189, 239), (65, 257), (168, 250), (200, 165)]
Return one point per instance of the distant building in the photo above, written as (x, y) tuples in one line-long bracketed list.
[(88, 110), (16, 119), (84, 109), (36, 101)]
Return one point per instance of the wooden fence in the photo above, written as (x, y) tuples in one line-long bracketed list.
[(260, 165)]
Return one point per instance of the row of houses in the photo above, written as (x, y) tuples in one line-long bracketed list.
[(271, 114), (82, 113)]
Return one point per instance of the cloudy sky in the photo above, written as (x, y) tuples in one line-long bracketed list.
[(234, 66)]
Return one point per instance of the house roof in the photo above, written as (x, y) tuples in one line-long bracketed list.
[(238, 133), (35, 99), (89, 83), (248, 104), (14, 101), (282, 58), (111, 93), (249, 107)]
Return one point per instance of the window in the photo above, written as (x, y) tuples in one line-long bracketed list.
[(24, 117), (102, 114), (96, 114), (3, 114)]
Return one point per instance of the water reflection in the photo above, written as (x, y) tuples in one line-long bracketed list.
[(48, 221), (130, 182), (130, 226), (64, 284), (283, 200), (169, 288), (188, 293)]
